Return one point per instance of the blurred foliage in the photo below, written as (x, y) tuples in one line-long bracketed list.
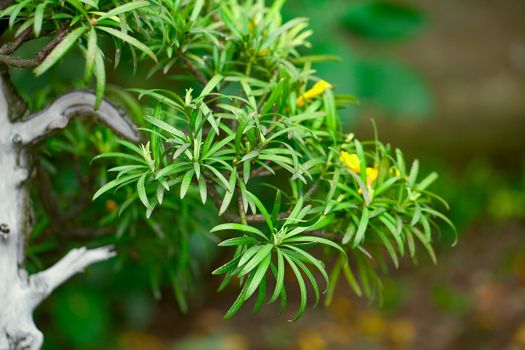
[(383, 20), (362, 33)]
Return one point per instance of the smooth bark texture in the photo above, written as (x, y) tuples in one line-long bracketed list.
[(20, 293)]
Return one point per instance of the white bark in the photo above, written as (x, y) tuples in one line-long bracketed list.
[(20, 294)]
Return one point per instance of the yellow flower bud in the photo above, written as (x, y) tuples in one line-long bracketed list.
[(351, 161), (264, 52), (371, 175), (318, 89), (393, 170)]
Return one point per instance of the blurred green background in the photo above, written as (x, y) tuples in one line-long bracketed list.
[(445, 81)]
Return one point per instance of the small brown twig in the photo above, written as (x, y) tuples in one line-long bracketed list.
[(5, 4), (10, 47), (20, 62), (198, 74), (261, 171), (237, 218)]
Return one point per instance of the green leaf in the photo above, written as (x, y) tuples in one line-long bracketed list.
[(310, 259), (120, 155), (314, 239), (91, 53), (229, 266), (388, 245), (263, 252), (131, 146), (311, 277), (92, 3), (412, 176), (262, 210), (258, 276), (100, 74), (166, 127), (186, 182), (130, 40), (14, 11), (261, 297), (141, 190), (211, 85), (222, 180), (197, 7), (238, 241), (114, 183), (334, 278), (239, 227), (427, 181), (302, 286), (240, 299), (279, 278), (39, 18), (276, 206), (171, 170), (350, 278), (276, 93), (178, 290), (229, 194), (59, 51), (439, 215), (203, 189), (385, 186), (295, 211), (425, 243), (130, 6), (361, 228)]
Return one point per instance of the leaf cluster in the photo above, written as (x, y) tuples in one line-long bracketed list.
[(251, 115)]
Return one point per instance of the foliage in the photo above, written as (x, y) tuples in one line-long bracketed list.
[(258, 143)]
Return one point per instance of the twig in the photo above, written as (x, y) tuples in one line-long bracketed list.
[(330, 235), (12, 46), (198, 74), (242, 214), (20, 62), (5, 4), (261, 171), (237, 218), (217, 201)]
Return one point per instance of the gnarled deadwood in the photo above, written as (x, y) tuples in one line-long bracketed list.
[(20, 294), (58, 115)]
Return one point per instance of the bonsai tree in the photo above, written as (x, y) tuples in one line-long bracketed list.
[(240, 142)]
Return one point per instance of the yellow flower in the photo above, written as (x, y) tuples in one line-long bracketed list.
[(351, 161), (392, 170), (371, 175), (318, 89), (264, 52)]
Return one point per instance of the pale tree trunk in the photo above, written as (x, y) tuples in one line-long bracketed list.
[(20, 293)]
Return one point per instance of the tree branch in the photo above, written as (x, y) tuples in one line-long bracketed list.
[(19, 62), (58, 115), (5, 4), (43, 283), (12, 46), (194, 70)]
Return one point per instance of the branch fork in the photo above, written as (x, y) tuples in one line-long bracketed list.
[(20, 294)]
